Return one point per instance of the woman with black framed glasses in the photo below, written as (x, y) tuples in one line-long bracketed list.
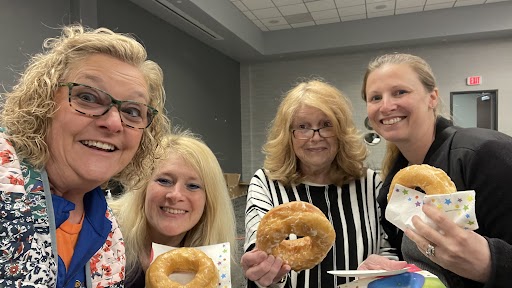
[(83, 112), (314, 153)]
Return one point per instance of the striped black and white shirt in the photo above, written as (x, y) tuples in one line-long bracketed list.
[(352, 210)]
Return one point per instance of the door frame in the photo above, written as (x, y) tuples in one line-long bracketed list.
[(495, 91)]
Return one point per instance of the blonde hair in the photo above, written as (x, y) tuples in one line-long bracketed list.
[(280, 159), (426, 77), (29, 107), (217, 225)]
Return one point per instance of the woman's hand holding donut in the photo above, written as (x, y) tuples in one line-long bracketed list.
[(463, 252), (377, 262), (262, 268)]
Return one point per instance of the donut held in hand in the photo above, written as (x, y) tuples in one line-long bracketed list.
[(302, 219), (430, 179), (182, 260)]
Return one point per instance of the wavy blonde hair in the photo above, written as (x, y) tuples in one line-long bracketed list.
[(217, 224), (29, 107), (280, 160), (426, 77)]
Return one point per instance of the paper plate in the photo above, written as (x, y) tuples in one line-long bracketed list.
[(366, 273)]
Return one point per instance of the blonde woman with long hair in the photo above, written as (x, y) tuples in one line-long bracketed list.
[(314, 153), (184, 203)]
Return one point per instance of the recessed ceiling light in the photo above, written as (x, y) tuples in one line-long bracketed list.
[(273, 21), (381, 6)]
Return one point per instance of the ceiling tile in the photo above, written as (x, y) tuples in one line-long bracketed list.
[(258, 22), (276, 21), (354, 10), (293, 9), (298, 18), (298, 25), (328, 21), (438, 6), (266, 13), (260, 25), (321, 5), (353, 17), (240, 6), (348, 3), (250, 15), (381, 6), (258, 4), (326, 14), (460, 3), (432, 2), (408, 10), (409, 3), (374, 1), (279, 27), (286, 2), (288, 14), (381, 13)]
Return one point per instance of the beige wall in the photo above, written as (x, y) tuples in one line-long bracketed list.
[(262, 85)]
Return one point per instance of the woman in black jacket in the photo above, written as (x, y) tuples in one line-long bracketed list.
[(402, 99)]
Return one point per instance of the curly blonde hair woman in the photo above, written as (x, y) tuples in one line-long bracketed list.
[(29, 107), (180, 157), (88, 109)]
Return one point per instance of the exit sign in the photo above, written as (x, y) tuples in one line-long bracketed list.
[(474, 80)]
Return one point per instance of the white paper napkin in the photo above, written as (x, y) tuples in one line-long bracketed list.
[(406, 202), (220, 254)]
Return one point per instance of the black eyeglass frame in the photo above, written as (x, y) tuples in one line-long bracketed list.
[(114, 102), (314, 131)]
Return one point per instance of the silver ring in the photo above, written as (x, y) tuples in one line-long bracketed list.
[(431, 251)]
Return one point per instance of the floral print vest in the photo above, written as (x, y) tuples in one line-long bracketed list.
[(28, 257)]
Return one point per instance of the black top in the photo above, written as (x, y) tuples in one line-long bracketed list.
[(136, 279), (475, 159)]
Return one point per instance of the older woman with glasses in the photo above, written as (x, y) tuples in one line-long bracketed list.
[(85, 111), (315, 154)]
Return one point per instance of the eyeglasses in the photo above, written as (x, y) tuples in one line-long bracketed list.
[(94, 102), (305, 133)]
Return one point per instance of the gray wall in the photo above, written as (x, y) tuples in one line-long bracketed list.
[(202, 85), (23, 27), (264, 83)]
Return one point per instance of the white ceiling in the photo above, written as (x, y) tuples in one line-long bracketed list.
[(271, 15), (258, 30)]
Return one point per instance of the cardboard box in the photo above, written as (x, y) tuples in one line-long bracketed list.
[(235, 187)]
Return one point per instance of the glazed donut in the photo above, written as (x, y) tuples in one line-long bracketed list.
[(430, 179), (182, 260), (301, 219)]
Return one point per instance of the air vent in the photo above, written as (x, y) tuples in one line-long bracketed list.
[(187, 18)]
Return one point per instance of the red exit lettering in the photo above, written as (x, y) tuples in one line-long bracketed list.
[(474, 80)]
